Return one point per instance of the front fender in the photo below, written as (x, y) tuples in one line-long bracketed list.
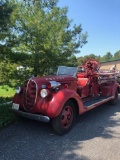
[(54, 107), (17, 99)]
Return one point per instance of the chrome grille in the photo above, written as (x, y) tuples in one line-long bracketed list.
[(29, 95)]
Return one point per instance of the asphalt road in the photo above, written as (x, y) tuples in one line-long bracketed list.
[(95, 136)]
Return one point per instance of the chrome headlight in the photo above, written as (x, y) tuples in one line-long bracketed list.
[(44, 93), (18, 90)]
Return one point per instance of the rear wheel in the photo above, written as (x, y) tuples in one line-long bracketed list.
[(115, 100), (65, 120)]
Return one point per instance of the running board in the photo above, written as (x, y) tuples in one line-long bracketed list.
[(97, 101)]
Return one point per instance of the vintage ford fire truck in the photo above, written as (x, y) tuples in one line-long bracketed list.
[(61, 97)]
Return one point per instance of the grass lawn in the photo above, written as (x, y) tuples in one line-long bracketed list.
[(6, 91)]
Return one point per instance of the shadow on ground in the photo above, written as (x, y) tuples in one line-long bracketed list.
[(31, 140)]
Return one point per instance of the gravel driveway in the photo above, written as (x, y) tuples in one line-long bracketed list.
[(95, 136)]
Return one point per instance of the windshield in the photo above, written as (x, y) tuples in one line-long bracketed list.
[(62, 70)]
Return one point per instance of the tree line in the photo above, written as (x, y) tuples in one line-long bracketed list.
[(107, 57)]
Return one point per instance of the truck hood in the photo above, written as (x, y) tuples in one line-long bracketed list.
[(58, 78)]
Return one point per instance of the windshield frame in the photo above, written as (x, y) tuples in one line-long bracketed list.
[(62, 71), (66, 70)]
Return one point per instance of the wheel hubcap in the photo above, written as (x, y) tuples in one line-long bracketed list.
[(67, 117)]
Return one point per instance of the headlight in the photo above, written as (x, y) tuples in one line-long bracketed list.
[(44, 93), (18, 90)]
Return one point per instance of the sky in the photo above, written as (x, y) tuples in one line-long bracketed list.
[(100, 19)]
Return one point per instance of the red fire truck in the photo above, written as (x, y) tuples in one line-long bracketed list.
[(61, 97)]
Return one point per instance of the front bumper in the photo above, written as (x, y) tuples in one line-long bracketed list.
[(31, 116)]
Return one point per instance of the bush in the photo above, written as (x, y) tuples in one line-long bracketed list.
[(6, 116), (5, 99)]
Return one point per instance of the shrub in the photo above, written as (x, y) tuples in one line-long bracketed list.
[(5, 99), (6, 116)]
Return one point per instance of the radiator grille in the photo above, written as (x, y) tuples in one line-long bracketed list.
[(29, 95)]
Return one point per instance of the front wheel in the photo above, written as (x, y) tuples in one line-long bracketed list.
[(115, 100), (65, 120)]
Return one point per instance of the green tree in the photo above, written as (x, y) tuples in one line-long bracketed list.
[(107, 57), (5, 11), (5, 43), (44, 31), (81, 60), (9, 60), (72, 61), (117, 55)]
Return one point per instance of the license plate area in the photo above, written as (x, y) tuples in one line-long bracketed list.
[(15, 106)]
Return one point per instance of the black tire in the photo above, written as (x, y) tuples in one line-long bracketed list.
[(115, 100), (65, 120)]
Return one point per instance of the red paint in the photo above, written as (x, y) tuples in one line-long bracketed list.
[(88, 84)]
